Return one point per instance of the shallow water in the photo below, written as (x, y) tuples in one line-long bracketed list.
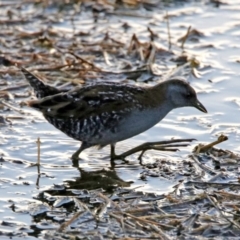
[(218, 89)]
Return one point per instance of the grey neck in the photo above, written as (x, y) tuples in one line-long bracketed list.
[(163, 110)]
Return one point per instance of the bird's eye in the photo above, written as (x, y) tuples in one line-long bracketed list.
[(188, 95)]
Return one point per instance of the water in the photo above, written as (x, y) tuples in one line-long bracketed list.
[(218, 90)]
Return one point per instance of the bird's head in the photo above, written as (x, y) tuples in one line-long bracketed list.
[(181, 94)]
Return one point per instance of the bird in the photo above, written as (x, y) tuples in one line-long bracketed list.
[(105, 113)]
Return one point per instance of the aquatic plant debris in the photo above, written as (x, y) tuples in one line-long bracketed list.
[(182, 195)]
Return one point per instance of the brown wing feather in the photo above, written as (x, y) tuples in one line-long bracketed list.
[(89, 101)]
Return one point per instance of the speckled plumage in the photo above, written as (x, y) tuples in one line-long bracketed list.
[(106, 113), (41, 90)]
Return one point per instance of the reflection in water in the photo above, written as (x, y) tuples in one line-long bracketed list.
[(105, 179)]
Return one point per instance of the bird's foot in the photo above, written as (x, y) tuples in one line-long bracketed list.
[(114, 157), (171, 145)]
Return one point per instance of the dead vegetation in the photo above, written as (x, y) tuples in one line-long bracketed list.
[(204, 203)]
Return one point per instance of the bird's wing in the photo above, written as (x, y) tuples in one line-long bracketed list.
[(90, 101)]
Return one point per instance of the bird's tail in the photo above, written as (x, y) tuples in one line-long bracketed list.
[(41, 90)]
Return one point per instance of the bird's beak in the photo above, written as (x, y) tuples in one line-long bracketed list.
[(200, 107)]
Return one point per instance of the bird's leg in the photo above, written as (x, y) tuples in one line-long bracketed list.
[(75, 156), (113, 155), (112, 151), (171, 145)]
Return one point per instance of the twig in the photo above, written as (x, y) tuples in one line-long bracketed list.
[(219, 175), (214, 184), (80, 205), (229, 196), (169, 34), (152, 224), (202, 166), (119, 219), (108, 200), (12, 107), (11, 88), (142, 220), (162, 236), (85, 61), (38, 151), (140, 51), (64, 225), (220, 211), (38, 161), (191, 220), (204, 148), (151, 57), (106, 58), (184, 38), (128, 14), (177, 187)]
